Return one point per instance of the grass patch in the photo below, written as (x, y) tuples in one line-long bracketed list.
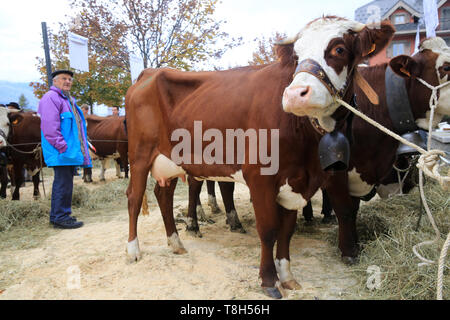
[(387, 233)]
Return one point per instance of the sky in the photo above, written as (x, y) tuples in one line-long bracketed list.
[(21, 34)]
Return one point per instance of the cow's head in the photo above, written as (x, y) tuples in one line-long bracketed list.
[(431, 64), (4, 126), (331, 47)]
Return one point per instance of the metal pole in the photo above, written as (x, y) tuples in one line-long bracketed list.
[(47, 54)]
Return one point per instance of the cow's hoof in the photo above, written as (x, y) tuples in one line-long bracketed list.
[(194, 233), (179, 251), (238, 229), (103, 180), (329, 220), (175, 243), (274, 292), (215, 209), (133, 251), (291, 285), (36, 197), (350, 261), (309, 223), (133, 259)]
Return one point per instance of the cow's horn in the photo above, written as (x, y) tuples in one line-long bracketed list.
[(287, 41)]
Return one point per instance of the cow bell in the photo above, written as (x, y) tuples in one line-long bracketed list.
[(413, 137), (334, 152)]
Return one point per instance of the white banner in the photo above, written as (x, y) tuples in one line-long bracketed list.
[(78, 52), (416, 47), (431, 17), (136, 66)]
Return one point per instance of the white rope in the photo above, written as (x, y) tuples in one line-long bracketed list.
[(429, 161), (429, 164), (441, 268)]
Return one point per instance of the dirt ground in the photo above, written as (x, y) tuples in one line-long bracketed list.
[(90, 263)]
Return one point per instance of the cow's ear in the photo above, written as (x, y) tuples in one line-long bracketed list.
[(405, 66), (15, 118), (285, 53), (372, 39)]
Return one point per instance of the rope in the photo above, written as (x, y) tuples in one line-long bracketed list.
[(428, 163), (441, 268), (119, 141)]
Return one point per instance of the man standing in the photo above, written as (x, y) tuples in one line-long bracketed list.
[(14, 106), (85, 109), (64, 145), (115, 111)]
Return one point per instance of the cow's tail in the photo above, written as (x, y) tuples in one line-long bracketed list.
[(145, 211)]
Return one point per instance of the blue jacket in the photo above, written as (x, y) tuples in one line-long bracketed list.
[(61, 145)]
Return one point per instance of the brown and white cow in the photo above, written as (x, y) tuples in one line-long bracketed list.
[(373, 153), (4, 131), (250, 98), (25, 137), (108, 136), (4, 126)]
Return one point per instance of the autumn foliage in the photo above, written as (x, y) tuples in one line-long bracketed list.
[(166, 33)]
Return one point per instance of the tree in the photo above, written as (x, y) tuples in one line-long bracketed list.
[(23, 102), (265, 51), (108, 78), (166, 33)]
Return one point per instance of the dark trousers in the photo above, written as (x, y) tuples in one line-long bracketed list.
[(62, 189)]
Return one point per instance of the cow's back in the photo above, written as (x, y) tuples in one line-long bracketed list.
[(107, 134)]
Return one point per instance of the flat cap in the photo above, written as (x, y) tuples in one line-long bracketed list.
[(15, 105), (58, 72)]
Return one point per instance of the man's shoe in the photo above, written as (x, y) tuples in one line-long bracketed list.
[(68, 224)]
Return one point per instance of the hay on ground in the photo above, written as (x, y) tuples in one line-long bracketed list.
[(387, 233)]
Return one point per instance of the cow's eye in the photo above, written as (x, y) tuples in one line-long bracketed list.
[(338, 51), (447, 68)]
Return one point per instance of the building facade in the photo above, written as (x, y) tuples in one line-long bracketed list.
[(406, 16)]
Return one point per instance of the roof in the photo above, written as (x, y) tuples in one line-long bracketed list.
[(363, 13)]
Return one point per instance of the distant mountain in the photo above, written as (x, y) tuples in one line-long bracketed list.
[(11, 91)]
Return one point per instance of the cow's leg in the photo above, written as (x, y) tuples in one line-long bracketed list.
[(87, 175), (165, 201), (227, 191), (195, 188), (308, 214), (102, 169), (327, 210), (124, 161), (117, 164), (267, 224), (346, 208), (135, 194), (18, 180), (212, 200), (283, 260), (3, 182), (36, 180), (199, 212)]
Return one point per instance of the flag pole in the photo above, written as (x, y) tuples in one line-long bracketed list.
[(47, 54)]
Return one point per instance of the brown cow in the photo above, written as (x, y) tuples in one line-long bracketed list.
[(25, 138), (108, 136), (373, 153), (165, 104)]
